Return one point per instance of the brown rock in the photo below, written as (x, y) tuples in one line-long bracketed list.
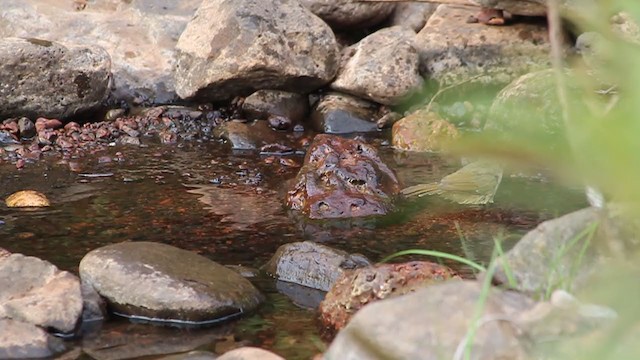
[(27, 198), (356, 288), (342, 178)]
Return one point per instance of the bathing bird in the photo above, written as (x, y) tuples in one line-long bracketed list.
[(476, 183)]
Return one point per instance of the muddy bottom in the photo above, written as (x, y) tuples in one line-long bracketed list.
[(228, 206)]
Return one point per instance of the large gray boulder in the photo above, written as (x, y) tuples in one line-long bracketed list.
[(383, 67), (160, 282), (349, 14), (34, 291), (431, 323), (453, 51), (44, 78), (140, 36), (234, 47)]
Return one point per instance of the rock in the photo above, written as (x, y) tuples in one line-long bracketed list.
[(93, 306), (150, 281), (27, 198), (543, 258), (359, 287), (264, 103), (301, 296), (234, 47), (528, 110), (383, 68), (27, 128), (519, 7), (342, 178), (347, 14), (249, 353), (431, 323), (140, 36), (412, 15), (192, 355), (20, 340), (310, 264), (244, 136), (36, 292), (51, 79), (337, 113), (422, 131), (453, 51)]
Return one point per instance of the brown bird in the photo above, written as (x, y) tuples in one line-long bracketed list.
[(476, 183)]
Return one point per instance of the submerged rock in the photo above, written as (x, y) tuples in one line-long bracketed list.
[(431, 323), (453, 51), (159, 282), (359, 287), (36, 292), (422, 131), (383, 68), (336, 113), (27, 198), (234, 47), (50, 79), (342, 178), (313, 265), (20, 340), (347, 14)]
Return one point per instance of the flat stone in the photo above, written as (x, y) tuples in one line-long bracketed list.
[(159, 282)]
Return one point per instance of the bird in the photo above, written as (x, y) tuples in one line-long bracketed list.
[(474, 184)]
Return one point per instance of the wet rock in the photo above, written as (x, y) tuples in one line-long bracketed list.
[(192, 355), (27, 128), (301, 296), (264, 103), (347, 14), (79, 76), (311, 264), (422, 131), (359, 287), (249, 353), (453, 51), (342, 178), (149, 280), (412, 15), (337, 113), (93, 306), (36, 292), (243, 136), (251, 45), (27, 198), (383, 68), (20, 340), (139, 35), (543, 258), (434, 321)]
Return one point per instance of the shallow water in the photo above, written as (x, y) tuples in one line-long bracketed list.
[(227, 206)]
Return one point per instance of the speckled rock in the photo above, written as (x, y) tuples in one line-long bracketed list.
[(37, 292), (452, 50), (80, 75), (313, 265), (27, 198), (434, 320), (234, 47), (422, 131), (342, 178), (150, 281), (20, 340), (357, 288), (347, 14), (337, 113), (383, 67)]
